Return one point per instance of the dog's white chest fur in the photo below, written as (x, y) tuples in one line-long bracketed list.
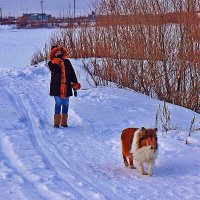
[(144, 154)]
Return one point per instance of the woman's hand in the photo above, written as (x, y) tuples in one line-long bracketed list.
[(76, 86)]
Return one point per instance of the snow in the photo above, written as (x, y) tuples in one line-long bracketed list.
[(84, 160), (18, 45)]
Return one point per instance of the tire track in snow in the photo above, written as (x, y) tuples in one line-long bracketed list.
[(20, 186), (23, 194), (37, 137), (14, 160), (43, 189)]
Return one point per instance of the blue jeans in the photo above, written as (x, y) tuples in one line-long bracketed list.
[(61, 102)]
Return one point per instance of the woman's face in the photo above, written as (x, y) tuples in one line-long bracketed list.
[(58, 53)]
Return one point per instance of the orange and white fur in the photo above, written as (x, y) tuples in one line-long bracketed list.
[(140, 145)]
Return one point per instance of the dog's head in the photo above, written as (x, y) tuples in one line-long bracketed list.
[(149, 139)]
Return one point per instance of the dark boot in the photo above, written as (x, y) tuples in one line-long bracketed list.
[(57, 119), (64, 120)]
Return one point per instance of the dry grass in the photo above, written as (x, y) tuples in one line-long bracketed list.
[(156, 53)]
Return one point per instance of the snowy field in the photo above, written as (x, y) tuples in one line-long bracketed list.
[(84, 161), (17, 46)]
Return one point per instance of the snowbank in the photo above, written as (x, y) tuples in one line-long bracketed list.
[(84, 161)]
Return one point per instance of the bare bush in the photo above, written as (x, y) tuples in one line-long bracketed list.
[(40, 55), (163, 119), (150, 46)]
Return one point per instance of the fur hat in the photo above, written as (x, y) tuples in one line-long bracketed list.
[(54, 46), (57, 48)]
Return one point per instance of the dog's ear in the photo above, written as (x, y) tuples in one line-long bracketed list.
[(144, 130)]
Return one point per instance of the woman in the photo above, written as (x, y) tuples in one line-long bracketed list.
[(63, 79)]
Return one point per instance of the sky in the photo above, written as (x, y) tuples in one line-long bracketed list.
[(53, 7)]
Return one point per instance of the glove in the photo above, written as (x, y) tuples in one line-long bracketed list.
[(76, 86)]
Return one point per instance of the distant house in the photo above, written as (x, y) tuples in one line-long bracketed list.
[(37, 17), (33, 20)]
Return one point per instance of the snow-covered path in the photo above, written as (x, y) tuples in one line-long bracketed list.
[(84, 161)]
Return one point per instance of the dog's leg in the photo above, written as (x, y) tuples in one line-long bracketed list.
[(150, 166), (141, 168), (125, 160), (131, 161)]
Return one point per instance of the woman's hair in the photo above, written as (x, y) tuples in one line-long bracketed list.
[(53, 47)]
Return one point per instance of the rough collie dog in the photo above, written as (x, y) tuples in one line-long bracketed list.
[(141, 145)]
